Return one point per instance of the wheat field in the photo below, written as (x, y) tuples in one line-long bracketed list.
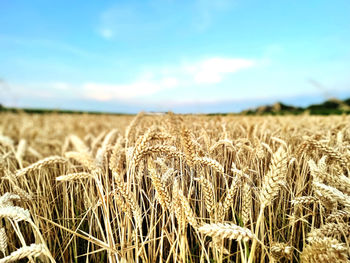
[(174, 188)]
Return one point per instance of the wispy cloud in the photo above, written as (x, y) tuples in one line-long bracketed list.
[(213, 70), (137, 89), (210, 71), (148, 84)]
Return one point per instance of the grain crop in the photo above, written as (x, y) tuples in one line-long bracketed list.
[(174, 188)]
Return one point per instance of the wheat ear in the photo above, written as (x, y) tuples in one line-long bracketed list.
[(246, 203), (319, 173), (162, 192), (3, 241), (22, 193), (40, 164), (83, 158), (15, 212), (21, 149), (230, 194), (131, 127), (325, 250), (271, 184), (208, 193), (279, 250), (333, 154), (34, 250), (225, 142), (74, 176), (303, 200), (329, 230), (116, 153), (78, 144), (6, 199), (332, 193), (7, 141), (182, 208), (170, 151), (130, 200), (338, 215), (140, 145), (209, 162), (188, 145), (230, 231), (274, 178), (101, 152)]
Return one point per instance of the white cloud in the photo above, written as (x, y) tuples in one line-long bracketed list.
[(137, 89), (213, 70), (156, 84), (190, 74)]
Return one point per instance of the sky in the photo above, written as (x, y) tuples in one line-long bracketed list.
[(186, 56)]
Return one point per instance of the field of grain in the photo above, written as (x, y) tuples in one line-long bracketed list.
[(172, 188)]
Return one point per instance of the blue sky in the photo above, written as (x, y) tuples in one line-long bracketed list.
[(185, 56)]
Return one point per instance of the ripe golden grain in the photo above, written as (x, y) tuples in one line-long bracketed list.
[(172, 188)]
